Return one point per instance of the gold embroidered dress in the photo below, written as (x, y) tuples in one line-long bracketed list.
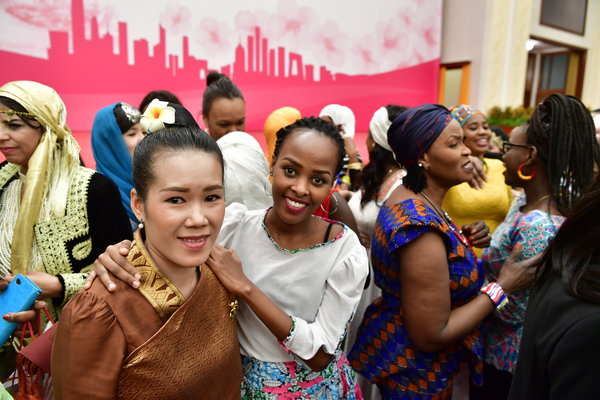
[(150, 343)]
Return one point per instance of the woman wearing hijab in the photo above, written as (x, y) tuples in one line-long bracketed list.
[(115, 134), (56, 217), (414, 337), (246, 171), (278, 119)]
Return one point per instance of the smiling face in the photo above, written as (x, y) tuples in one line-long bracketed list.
[(303, 174), (132, 137), (225, 115), (18, 140), (448, 158), (183, 209), (477, 134)]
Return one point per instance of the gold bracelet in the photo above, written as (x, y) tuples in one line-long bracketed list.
[(355, 165)]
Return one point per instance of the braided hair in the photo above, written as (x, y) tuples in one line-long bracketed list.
[(218, 86), (379, 158), (317, 125), (562, 131)]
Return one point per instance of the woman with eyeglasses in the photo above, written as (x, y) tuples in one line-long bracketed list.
[(552, 158)]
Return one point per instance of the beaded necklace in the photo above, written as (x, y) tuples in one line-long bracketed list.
[(458, 233)]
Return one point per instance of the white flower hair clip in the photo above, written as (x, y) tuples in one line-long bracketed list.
[(157, 114)]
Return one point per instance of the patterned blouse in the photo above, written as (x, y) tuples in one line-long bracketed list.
[(383, 352), (502, 330)]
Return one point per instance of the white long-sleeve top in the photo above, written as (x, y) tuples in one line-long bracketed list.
[(319, 287)]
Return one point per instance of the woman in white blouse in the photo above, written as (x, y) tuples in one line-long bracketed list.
[(299, 278)]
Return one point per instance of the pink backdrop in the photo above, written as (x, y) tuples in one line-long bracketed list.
[(279, 55)]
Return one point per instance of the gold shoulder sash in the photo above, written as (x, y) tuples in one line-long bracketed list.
[(156, 288), (194, 355)]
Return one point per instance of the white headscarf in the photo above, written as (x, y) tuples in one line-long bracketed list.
[(341, 115), (246, 171), (379, 125)]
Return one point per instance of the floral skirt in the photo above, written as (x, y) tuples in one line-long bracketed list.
[(292, 380)]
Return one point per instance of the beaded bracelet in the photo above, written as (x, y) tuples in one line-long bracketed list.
[(496, 294)]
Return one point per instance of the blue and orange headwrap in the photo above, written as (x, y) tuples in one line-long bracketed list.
[(463, 112), (412, 132)]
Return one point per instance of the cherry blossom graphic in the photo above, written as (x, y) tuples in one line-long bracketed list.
[(105, 15), (330, 44), (176, 19), (49, 14), (246, 21), (366, 55), (213, 36), (292, 26)]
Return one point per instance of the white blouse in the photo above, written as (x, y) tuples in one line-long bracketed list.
[(318, 287)]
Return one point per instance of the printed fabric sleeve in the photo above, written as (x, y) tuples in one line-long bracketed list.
[(576, 380), (88, 352), (343, 290), (534, 231), (412, 224)]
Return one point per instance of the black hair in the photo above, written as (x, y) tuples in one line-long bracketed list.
[(379, 161), (499, 132), (317, 125), (29, 120), (218, 86), (176, 138), (415, 178), (162, 95), (562, 130), (575, 248), (183, 117)]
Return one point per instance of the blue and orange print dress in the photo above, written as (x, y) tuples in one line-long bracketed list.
[(383, 351)]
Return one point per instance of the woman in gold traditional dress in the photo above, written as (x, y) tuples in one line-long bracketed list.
[(56, 216), (175, 337)]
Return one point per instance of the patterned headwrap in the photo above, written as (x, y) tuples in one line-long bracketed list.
[(379, 125), (463, 112), (413, 132), (278, 119), (50, 167), (341, 115), (111, 154)]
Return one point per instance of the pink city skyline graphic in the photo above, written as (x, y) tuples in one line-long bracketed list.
[(89, 74)]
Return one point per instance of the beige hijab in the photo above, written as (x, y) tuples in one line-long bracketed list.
[(49, 169)]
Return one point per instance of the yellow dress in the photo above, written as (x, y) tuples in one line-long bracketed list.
[(466, 205)]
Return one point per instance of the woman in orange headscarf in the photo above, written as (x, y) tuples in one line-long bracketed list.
[(279, 118)]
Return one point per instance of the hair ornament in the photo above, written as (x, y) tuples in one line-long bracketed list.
[(157, 114)]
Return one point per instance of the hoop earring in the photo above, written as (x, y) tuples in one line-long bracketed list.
[(266, 186), (524, 177), (336, 205)]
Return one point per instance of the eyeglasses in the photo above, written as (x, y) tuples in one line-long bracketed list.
[(508, 145)]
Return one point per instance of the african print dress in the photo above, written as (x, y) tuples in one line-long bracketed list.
[(383, 351), (502, 330)]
